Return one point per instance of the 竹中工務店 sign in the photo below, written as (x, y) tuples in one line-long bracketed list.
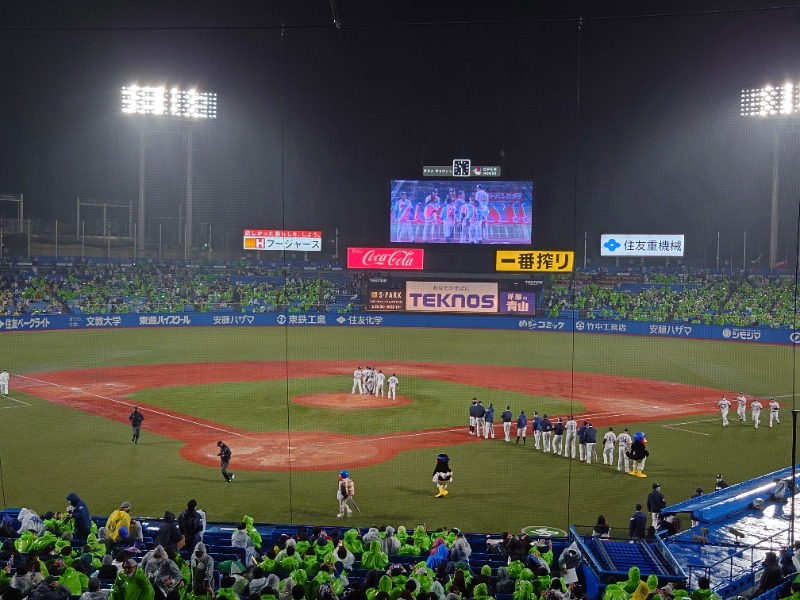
[(540, 261), (288, 240)]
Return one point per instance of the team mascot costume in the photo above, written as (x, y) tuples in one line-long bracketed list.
[(638, 454), (345, 491), (442, 475)]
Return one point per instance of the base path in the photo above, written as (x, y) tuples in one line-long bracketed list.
[(607, 400)]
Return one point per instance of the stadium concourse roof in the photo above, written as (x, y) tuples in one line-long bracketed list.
[(733, 534)]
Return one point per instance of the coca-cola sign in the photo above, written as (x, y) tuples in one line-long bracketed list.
[(400, 259)]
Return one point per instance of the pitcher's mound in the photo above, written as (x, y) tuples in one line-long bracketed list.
[(349, 401)]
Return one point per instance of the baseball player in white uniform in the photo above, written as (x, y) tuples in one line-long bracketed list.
[(379, 379), (482, 203), (624, 442), (4, 384), (570, 430), (364, 380), (755, 412), (724, 406), (357, 385), (741, 407), (609, 441), (774, 409), (393, 381)]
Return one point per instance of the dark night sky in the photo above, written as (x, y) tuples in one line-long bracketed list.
[(627, 122)]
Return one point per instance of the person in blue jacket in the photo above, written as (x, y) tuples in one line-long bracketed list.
[(546, 427), (591, 444), (80, 516), (489, 426), (537, 433), (522, 427), (582, 441)]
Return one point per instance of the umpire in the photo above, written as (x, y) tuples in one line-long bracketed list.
[(136, 419)]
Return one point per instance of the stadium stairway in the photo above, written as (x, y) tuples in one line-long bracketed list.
[(610, 558), (732, 536)]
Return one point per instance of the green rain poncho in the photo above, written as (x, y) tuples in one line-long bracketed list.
[(268, 564), (322, 549), (227, 593), (401, 534), (352, 542), (524, 591), (634, 577), (336, 583), (75, 581), (374, 558), (252, 531), (290, 564), (310, 564), (516, 568), (408, 549), (47, 540), (481, 592), (384, 584), (135, 587), (615, 591), (421, 539), (300, 577)]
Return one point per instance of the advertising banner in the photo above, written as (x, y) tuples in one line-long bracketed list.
[(378, 259), (539, 261), (449, 297), (288, 240), (623, 245)]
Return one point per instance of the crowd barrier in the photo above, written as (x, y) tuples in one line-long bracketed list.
[(528, 323)]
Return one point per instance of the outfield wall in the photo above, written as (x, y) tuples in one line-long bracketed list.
[(230, 319)]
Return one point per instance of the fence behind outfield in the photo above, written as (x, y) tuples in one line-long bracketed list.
[(228, 318)]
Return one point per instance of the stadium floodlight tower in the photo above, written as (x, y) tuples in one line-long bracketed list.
[(772, 102), (168, 102)]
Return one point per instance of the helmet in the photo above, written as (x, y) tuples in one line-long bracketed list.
[(344, 474), (639, 436)]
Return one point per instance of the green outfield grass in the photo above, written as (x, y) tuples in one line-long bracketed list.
[(48, 450)]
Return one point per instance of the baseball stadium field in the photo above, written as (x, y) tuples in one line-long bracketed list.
[(280, 398)]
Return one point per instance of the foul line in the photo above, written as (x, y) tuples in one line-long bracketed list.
[(15, 400), (128, 404), (674, 426)]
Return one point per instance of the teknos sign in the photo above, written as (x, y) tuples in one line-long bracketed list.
[(458, 297), (405, 259)]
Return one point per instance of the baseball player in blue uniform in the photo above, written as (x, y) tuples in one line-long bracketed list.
[(506, 418), (537, 433), (522, 427)]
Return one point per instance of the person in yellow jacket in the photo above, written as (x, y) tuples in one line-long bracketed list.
[(119, 518)]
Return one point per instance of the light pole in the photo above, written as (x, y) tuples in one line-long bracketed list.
[(768, 102), (179, 106)]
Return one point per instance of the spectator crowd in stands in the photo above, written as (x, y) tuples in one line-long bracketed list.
[(104, 289), (46, 560), (744, 300)]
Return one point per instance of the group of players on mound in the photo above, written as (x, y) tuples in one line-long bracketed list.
[(370, 380)]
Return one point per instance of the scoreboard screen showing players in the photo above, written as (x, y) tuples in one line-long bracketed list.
[(461, 212)]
